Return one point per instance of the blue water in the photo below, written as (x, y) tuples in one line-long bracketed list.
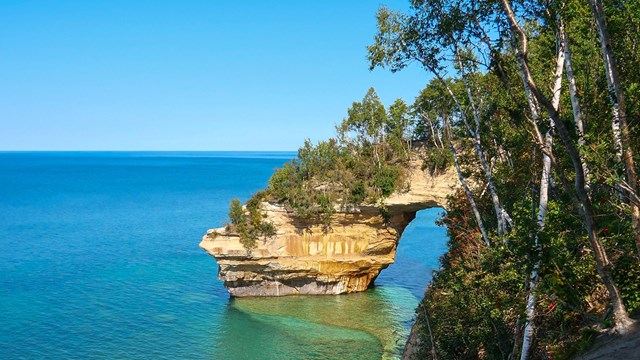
[(99, 259)]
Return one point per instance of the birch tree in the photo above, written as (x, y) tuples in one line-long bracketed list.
[(465, 186), (421, 38), (575, 101), (434, 100), (543, 200), (621, 317), (619, 124)]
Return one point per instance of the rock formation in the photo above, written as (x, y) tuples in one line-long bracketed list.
[(309, 258)]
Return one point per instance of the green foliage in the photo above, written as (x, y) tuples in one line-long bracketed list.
[(477, 297), (358, 193), (248, 222), (364, 164), (386, 179), (473, 301), (285, 182), (236, 212), (437, 160), (367, 119)]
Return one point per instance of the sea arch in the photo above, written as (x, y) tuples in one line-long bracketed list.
[(304, 258)]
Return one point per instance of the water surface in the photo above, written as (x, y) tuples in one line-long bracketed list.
[(99, 260)]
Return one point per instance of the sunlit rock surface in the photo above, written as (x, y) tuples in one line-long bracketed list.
[(308, 258)]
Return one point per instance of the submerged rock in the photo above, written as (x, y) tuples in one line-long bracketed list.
[(307, 257)]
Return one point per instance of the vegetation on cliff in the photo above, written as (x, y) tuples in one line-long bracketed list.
[(364, 163), (248, 222), (540, 102)]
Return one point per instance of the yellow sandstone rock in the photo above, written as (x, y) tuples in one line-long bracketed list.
[(308, 258)]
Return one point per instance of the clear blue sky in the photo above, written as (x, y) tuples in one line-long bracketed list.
[(186, 75)]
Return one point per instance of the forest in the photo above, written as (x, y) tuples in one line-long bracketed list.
[(536, 106)]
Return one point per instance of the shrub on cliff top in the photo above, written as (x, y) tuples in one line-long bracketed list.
[(236, 212), (248, 222)]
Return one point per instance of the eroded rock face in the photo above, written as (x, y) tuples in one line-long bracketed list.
[(310, 258)]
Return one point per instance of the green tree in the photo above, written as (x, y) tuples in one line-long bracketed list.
[(236, 212)]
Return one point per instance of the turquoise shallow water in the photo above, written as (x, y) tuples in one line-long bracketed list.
[(99, 260)]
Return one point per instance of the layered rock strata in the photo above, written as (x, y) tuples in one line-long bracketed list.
[(305, 257)]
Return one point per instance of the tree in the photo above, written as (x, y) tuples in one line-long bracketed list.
[(248, 222), (236, 212), (367, 120), (619, 123), (545, 180), (398, 126), (434, 33), (622, 320)]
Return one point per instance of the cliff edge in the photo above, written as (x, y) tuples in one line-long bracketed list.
[(309, 257)]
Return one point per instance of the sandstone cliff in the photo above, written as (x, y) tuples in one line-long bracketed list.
[(308, 258)]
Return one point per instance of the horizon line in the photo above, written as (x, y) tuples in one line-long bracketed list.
[(17, 151)]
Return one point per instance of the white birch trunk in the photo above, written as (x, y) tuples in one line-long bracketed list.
[(465, 186), (615, 93), (575, 101), (619, 124), (542, 207), (501, 214), (434, 137)]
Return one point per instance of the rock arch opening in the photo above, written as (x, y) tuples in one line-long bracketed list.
[(418, 252)]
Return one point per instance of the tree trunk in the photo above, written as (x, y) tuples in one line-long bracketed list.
[(501, 214), (465, 186), (575, 102), (375, 152), (619, 125), (434, 355), (621, 317), (434, 137), (530, 311), (542, 207), (615, 93)]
